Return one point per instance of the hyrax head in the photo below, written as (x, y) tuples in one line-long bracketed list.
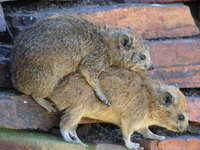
[(171, 110), (132, 52)]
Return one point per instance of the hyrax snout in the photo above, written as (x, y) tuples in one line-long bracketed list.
[(61, 44), (137, 103)]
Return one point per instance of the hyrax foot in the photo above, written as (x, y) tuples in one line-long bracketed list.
[(101, 97), (70, 136), (131, 145), (45, 104), (160, 138)]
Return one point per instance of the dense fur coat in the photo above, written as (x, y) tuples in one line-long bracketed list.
[(61, 44), (137, 103)]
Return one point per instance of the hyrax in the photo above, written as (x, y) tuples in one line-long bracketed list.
[(137, 102), (60, 44)]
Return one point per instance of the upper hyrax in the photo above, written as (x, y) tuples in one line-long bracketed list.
[(61, 44), (137, 103)]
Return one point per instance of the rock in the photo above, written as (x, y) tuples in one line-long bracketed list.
[(180, 143), (22, 112), (163, 1), (150, 20), (194, 108), (29, 140), (176, 61)]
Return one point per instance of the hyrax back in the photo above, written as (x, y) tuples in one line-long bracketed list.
[(60, 44), (137, 102)]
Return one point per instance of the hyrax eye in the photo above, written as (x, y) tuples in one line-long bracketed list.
[(181, 117), (142, 57)]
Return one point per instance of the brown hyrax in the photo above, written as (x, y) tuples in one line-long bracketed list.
[(137, 103), (61, 44)]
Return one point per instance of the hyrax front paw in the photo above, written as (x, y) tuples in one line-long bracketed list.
[(133, 145), (160, 138), (157, 137)]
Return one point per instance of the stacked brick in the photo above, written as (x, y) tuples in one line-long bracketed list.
[(174, 47)]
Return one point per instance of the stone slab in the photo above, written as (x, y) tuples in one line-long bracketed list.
[(22, 112), (150, 20), (164, 1), (19, 111), (194, 108), (29, 140), (180, 143), (176, 61)]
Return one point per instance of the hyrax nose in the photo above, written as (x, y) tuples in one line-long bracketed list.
[(151, 67)]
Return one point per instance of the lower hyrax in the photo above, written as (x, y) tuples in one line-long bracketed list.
[(61, 44), (137, 103)]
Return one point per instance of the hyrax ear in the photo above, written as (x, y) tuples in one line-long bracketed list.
[(166, 99), (124, 40)]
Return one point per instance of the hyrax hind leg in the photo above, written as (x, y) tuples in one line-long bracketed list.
[(68, 124), (91, 76), (45, 104)]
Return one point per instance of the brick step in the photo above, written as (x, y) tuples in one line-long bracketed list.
[(22, 112), (163, 1), (29, 140), (150, 20), (176, 61)]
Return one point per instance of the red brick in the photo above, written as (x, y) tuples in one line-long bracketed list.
[(176, 61), (152, 21), (148, 144), (180, 143), (194, 108), (103, 146), (21, 112), (164, 1), (2, 20)]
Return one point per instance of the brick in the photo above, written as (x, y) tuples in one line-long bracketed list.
[(180, 143), (148, 144), (103, 146), (29, 140), (150, 20), (176, 61), (164, 1), (22, 112), (194, 108), (2, 20)]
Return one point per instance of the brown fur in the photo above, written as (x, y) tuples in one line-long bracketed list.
[(61, 44), (137, 102)]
